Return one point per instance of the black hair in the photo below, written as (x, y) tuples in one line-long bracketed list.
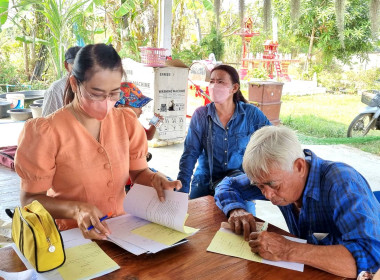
[(238, 96), (90, 59), (71, 53)]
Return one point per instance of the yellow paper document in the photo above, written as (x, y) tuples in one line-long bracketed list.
[(230, 244), (86, 261), (163, 234), (226, 242), (151, 225)]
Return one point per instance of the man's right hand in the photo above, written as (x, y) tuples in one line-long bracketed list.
[(241, 221)]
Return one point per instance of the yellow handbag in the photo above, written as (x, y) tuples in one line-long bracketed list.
[(36, 235)]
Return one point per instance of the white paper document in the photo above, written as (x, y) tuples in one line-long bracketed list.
[(150, 225)]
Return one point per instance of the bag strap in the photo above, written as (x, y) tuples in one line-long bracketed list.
[(210, 150), (9, 213)]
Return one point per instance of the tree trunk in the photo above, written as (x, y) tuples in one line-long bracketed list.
[(217, 12), (310, 48), (26, 59), (40, 64), (241, 12), (199, 34)]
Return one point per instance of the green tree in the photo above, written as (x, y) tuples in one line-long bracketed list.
[(316, 30)]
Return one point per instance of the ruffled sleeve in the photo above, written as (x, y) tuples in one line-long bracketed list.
[(138, 142), (35, 156)]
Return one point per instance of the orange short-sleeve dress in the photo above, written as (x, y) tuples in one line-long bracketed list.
[(56, 154)]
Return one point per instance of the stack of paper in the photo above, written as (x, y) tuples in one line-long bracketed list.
[(150, 225), (84, 260)]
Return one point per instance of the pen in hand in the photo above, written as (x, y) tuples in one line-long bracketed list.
[(101, 219)]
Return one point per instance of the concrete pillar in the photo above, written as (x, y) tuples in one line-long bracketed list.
[(274, 29), (165, 26)]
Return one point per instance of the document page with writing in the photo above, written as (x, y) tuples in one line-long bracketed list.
[(228, 243), (150, 225), (86, 261), (142, 201)]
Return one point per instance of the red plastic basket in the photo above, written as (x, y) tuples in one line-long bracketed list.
[(153, 57)]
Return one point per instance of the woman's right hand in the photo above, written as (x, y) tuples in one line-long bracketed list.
[(87, 215)]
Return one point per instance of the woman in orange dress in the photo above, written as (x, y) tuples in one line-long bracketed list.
[(76, 161)]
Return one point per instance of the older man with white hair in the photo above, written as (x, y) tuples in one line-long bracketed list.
[(327, 203)]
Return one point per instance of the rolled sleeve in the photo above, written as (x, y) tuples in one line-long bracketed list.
[(232, 192), (192, 150), (357, 217), (35, 156)]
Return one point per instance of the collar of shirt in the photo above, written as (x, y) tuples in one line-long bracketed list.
[(211, 111), (313, 178)]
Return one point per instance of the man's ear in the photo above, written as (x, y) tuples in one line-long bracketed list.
[(67, 66), (73, 83), (300, 166)]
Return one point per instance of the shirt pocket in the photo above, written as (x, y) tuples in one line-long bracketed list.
[(242, 140)]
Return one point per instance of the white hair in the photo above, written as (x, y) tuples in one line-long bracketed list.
[(271, 147)]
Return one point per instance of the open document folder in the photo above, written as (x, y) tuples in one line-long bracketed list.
[(150, 225), (228, 243)]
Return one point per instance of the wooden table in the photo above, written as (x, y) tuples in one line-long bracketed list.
[(189, 260)]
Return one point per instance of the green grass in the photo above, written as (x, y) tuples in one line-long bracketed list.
[(323, 119)]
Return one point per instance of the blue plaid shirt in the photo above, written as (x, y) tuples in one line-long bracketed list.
[(337, 200), (228, 145)]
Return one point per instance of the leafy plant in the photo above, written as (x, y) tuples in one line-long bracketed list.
[(213, 43), (257, 74), (195, 52)]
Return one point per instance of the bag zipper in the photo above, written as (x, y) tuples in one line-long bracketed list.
[(51, 248)]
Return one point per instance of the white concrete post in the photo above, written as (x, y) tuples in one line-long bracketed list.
[(274, 29), (165, 26)]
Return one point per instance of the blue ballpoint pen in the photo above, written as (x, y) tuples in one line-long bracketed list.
[(101, 219)]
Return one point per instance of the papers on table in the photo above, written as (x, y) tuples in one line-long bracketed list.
[(29, 274), (73, 237), (228, 243), (86, 261), (81, 254), (150, 225)]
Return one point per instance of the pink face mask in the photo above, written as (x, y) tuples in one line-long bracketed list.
[(219, 93), (96, 109)]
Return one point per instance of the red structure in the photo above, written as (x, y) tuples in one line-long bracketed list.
[(271, 61), (246, 34)]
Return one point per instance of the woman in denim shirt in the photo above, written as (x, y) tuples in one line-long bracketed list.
[(218, 134)]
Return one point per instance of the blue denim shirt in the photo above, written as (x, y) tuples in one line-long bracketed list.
[(228, 143), (337, 201)]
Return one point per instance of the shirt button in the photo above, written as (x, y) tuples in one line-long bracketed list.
[(225, 152), (225, 138), (107, 166), (225, 163), (100, 150), (110, 183), (228, 127)]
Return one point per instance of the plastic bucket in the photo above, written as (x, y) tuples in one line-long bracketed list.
[(36, 110), (4, 107), (17, 100)]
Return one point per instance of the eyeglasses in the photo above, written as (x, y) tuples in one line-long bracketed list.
[(114, 96)]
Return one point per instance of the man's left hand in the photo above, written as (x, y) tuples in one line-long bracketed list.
[(270, 245)]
